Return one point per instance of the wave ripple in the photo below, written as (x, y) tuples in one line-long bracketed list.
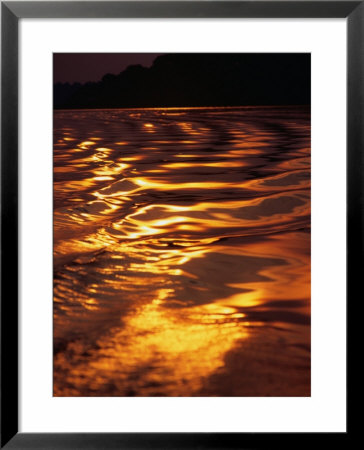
[(182, 252)]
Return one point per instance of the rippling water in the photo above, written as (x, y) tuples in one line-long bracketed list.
[(182, 252)]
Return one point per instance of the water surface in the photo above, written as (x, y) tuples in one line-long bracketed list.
[(182, 252)]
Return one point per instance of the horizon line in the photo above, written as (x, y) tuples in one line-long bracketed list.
[(155, 108)]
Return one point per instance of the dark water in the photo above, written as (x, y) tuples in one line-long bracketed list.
[(182, 252)]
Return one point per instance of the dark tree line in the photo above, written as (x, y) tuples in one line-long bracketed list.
[(197, 80)]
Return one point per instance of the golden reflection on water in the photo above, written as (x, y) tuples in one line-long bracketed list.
[(182, 257)]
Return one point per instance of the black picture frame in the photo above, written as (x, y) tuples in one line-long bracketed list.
[(11, 12)]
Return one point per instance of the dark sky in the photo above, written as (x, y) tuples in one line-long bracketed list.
[(83, 67)]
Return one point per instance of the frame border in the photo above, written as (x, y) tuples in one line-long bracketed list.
[(11, 12)]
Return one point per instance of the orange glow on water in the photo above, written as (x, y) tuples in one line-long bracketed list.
[(182, 252)]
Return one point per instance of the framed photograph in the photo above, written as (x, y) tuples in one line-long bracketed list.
[(181, 220)]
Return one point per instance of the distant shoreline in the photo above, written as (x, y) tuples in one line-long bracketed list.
[(197, 79), (157, 108)]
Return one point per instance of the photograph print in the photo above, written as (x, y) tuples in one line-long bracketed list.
[(182, 225)]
